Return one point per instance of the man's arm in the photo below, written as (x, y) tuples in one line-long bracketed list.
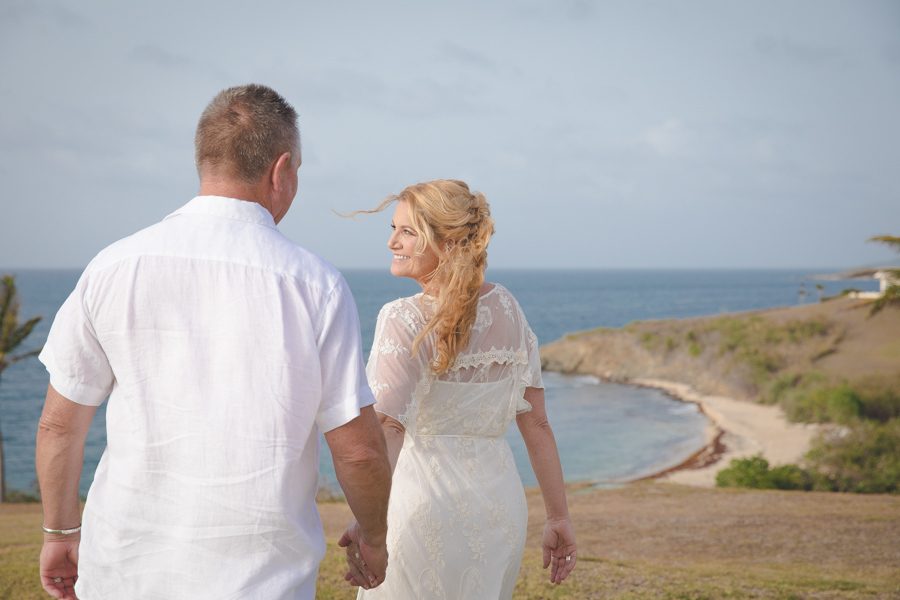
[(364, 473), (62, 431)]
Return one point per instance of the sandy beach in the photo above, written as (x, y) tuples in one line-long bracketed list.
[(725, 363), (736, 429)]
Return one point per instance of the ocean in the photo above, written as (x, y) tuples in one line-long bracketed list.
[(605, 432)]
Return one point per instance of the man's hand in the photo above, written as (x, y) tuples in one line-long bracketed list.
[(362, 468), (367, 563), (62, 431), (59, 565)]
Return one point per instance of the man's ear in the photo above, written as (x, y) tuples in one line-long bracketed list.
[(279, 170)]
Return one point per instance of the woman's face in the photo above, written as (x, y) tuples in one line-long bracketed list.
[(403, 245)]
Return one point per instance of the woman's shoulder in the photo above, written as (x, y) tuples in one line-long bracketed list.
[(408, 309), (500, 301), (499, 294), (413, 301)]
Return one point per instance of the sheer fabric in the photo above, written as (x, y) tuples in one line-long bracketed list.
[(457, 514)]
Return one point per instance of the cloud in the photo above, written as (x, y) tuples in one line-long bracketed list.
[(891, 55), (56, 12), (579, 10), (574, 10), (671, 139), (782, 47), (333, 89), (426, 97), (466, 57), (340, 89), (155, 55)]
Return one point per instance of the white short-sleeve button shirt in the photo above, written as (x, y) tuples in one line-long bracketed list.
[(222, 346)]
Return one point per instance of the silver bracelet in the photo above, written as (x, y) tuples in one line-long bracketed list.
[(61, 531)]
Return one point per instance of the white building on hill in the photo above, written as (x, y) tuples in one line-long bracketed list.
[(882, 273)]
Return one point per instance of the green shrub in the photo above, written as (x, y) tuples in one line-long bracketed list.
[(790, 477), (864, 458), (879, 396), (779, 387), (745, 473), (20, 496), (843, 404), (813, 399), (762, 364), (798, 331), (754, 473)]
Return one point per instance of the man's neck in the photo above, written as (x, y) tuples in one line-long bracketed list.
[(229, 188)]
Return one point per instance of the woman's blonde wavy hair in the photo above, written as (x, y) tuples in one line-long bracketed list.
[(457, 225)]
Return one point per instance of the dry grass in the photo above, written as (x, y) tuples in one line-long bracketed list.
[(647, 540), (655, 540)]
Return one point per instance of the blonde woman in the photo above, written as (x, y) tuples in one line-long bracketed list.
[(451, 367)]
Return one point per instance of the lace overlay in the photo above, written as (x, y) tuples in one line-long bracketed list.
[(457, 513)]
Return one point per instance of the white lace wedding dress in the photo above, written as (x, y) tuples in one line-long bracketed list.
[(457, 513)]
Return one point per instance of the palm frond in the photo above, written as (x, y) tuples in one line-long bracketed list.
[(9, 306), (18, 336), (890, 296), (888, 240), (12, 334), (19, 357)]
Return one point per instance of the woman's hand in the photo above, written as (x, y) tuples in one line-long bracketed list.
[(366, 563), (559, 549)]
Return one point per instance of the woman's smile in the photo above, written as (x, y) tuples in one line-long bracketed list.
[(406, 262)]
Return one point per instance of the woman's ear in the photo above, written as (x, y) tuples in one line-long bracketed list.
[(450, 245)]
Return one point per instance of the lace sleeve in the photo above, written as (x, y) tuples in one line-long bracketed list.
[(395, 376), (531, 374)]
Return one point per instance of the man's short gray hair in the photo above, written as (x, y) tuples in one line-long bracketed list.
[(243, 130)]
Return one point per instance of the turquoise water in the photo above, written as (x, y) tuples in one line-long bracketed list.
[(605, 432)]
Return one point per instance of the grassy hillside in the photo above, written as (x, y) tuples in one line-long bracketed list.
[(741, 355)]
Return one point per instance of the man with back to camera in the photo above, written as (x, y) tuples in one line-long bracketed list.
[(223, 347)]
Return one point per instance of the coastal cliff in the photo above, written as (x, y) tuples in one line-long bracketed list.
[(739, 355), (808, 368)]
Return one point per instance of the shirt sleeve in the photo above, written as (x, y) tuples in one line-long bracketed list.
[(344, 387), (78, 366), (398, 378)]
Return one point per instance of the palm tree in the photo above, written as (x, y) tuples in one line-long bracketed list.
[(11, 336), (892, 294)]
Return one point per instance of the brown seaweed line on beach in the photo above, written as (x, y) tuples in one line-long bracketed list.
[(709, 454)]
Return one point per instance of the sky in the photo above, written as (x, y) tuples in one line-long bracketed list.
[(612, 135)]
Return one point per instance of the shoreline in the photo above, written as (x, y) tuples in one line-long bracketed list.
[(736, 429)]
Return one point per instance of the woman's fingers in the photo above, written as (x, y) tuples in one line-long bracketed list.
[(564, 566), (561, 564), (359, 573)]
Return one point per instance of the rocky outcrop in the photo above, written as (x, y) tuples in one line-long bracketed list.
[(620, 356)]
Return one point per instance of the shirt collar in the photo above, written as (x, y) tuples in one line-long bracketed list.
[(227, 208)]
